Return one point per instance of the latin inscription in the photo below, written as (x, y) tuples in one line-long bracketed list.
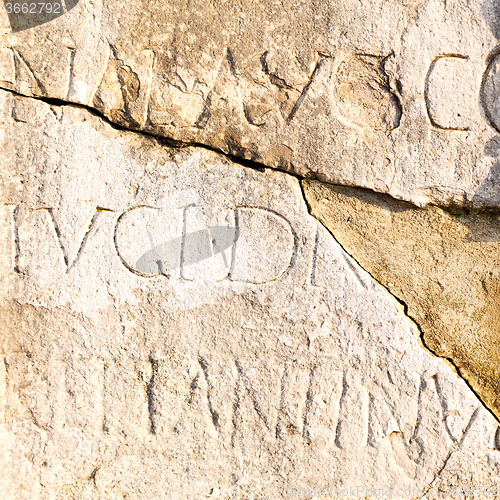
[(245, 244)]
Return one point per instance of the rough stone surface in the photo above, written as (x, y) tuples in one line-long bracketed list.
[(175, 325), (398, 96), (443, 265)]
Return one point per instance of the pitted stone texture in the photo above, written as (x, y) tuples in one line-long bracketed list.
[(396, 96), (178, 326)]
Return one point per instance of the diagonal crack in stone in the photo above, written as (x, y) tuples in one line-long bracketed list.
[(435, 265)]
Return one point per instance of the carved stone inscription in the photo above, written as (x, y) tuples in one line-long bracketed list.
[(409, 110), (173, 243)]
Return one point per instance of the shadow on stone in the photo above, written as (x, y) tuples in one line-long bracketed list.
[(186, 250), (26, 14)]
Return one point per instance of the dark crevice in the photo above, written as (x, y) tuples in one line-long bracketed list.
[(237, 155), (53, 101), (161, 140)]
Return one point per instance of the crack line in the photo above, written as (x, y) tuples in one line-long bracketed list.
[(239, 160), (255, 165)]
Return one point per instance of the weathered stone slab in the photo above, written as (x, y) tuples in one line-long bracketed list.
[(178, 326), (396, 96)]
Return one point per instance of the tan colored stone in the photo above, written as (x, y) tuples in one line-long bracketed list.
[(445, 266)]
